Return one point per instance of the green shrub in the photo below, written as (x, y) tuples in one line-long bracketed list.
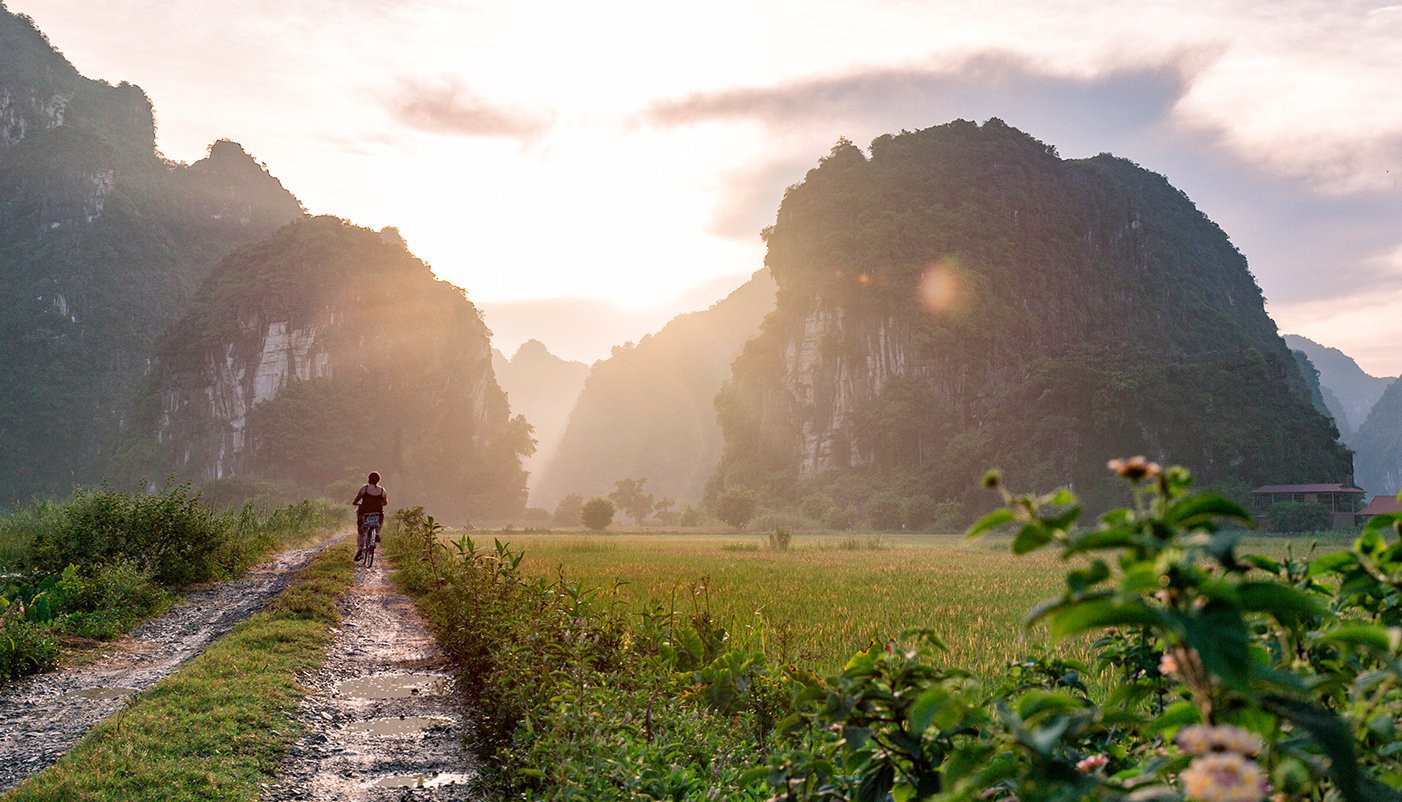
[(26, 647), (109, 600), (597, 513), (885, 512), (1300, 516)]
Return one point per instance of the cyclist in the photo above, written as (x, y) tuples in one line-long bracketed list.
[(371, 498)]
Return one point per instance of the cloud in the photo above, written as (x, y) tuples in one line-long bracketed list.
[(446, 107), (976, 87)]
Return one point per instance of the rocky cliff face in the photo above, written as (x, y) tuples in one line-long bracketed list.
[(328, 351), (648, 411), (101, 242), (962, 299)]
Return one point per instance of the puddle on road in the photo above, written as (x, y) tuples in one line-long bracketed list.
[(104, 693), (420, 780), (394, 686), (402, 725)]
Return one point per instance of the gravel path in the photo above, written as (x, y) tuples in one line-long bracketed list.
[(43, 715), (382, 720)]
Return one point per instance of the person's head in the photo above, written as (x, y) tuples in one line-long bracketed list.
[(374, 477)]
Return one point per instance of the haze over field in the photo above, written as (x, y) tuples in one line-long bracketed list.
[(551, 174)]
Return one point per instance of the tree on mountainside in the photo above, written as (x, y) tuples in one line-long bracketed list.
[(630, 497)]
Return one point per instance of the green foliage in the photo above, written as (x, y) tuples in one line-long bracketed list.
[(1300, 516), (736, 506), (596, 513), (101, 562), (885, 512)]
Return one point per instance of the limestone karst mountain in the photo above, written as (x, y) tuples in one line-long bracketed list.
[(327, 351), (1379, 445), (1349, 390), (101, 242), (962, 298), (648, 411), (543, 388)]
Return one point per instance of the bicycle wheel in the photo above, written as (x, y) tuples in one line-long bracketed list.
[(370, 538)]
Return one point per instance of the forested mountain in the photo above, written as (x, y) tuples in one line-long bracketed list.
[(963, 298), (543, 388), (101, 242), (1349, 390), (1379, 445), (648, 411), (327, 351)]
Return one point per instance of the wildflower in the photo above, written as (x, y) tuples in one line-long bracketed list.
[(1168, 665), (1135, 469), (1087, 765), (1204, 739), (1224, 777)]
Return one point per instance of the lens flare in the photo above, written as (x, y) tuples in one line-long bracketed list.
[(940, 287)]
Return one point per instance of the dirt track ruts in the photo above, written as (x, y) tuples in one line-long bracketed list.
[(382, 636), (43, 715)]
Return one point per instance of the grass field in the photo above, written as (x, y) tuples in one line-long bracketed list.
[(830, 595)]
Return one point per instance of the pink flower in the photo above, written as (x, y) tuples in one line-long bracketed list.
[(1224, 777), (1203, 739), (1087, 765)]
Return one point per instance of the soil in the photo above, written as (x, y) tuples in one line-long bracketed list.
[(382, 720), (43, 715)]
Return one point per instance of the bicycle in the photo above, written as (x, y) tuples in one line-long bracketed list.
[(371, 524)]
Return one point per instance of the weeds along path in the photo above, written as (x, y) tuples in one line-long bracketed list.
[(43, 715), (381, 716)]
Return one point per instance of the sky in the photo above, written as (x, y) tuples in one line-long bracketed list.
[(588, 169)]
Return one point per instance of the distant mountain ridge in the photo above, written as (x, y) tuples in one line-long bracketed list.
[(544, 388), (1379, 445), (102, 242), (962, 298), (648, 411), (1349, 390)]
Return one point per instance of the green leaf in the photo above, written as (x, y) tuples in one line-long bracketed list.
[(1201, 509), (1285, 603), (1101, 612), (1176, 716), (922, 713), (1219, 635), (1369, 636), (1036, 702), (1332, 735), (1103, 539), (1030, 538), (992, 520)]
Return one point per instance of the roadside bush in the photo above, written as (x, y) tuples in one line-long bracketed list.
[(173, 534), (25, 646), (736, 506), (109, 601), (1293, 517)]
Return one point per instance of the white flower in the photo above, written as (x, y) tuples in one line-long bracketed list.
[(1224, 777)]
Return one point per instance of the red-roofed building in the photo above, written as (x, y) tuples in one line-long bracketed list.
[(1340, 500), (1380, 505)]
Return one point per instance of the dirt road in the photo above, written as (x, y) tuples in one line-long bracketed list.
[(382, 717), (43, 715)]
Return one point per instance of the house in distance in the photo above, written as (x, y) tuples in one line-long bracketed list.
[(1341, 501)]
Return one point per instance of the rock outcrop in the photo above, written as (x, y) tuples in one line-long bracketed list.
[(328, 351), (963, 299), (102, 242), (1348, 390)]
